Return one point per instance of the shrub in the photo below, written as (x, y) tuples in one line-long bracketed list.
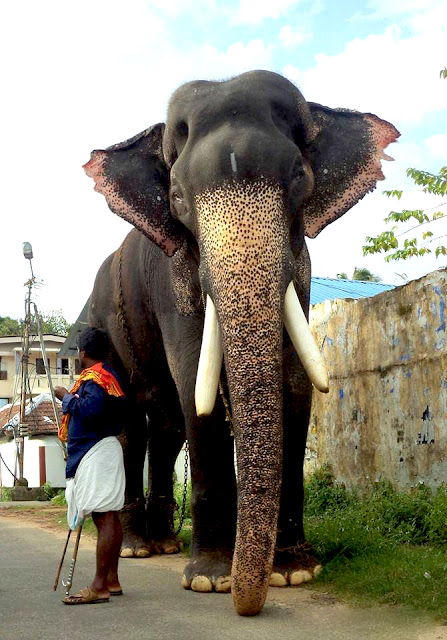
[(59, 498)]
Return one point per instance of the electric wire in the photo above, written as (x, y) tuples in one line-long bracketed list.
[(13, 475)]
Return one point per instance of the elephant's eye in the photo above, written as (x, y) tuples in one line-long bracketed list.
[(182, 129)]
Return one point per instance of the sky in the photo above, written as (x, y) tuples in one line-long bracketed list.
[(83, 75)]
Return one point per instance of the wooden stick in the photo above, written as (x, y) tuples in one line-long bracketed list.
[(56, 582)]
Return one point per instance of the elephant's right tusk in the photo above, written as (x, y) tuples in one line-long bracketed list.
[(210, 362), (303, 340)]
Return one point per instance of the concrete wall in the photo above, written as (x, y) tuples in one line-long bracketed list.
[(385, 416), (54, 462)]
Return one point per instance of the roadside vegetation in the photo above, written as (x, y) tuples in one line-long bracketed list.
[(379, 545)]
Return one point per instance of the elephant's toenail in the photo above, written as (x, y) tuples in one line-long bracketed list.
[(278, 580), (201, 584), (223, 584), (143, 552), (318, 569), (171, 548), (186, 584), (126, 552), (298, 577)]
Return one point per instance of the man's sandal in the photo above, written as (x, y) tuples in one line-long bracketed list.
[(85, 596)]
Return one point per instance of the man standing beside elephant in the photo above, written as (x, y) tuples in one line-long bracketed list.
[(93, 415)]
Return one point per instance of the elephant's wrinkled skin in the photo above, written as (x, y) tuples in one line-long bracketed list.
[(242, 171)]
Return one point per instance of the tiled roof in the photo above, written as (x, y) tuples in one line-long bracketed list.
[(39, 416), (322, 289)]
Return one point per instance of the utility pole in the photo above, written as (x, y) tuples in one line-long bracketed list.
[(23, 427)]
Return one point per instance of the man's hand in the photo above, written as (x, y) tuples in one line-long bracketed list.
[(59, 392)]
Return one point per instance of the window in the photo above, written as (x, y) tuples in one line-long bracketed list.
[(40, 367), (64, 367), (3, 371)]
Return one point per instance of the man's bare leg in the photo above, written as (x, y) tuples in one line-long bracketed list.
[(108, 547)]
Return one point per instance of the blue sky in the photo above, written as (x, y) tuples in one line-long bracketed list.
[(89, 74)]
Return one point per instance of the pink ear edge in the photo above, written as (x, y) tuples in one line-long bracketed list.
[(94, 168), (382, 133)]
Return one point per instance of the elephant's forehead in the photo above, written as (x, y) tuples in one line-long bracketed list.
[(251, 89)]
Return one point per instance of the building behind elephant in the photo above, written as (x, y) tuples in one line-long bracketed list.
[(385, 417)]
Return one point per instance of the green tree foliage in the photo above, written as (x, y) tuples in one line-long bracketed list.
[(9, 326), (360, 273), (387, 241), (53, 322)]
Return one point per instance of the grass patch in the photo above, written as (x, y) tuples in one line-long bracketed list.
[(380, 545), (5, 494)]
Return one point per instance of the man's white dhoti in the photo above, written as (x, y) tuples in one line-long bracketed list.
[(98, 484)]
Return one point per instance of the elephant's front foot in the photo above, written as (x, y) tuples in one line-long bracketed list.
[(135, 543), (168, 545), (160, 525), (294, 566), (209, 571)]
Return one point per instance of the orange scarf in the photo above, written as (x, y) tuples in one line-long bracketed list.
[(106, 381)]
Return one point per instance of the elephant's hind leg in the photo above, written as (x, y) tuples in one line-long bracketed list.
[(166, 437), (134, 441)]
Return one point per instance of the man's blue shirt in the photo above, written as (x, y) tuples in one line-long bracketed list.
[(94, 415)]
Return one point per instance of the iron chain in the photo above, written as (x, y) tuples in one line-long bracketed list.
[(185, 489)]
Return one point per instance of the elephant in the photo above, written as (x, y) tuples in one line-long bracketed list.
[(206, 304)]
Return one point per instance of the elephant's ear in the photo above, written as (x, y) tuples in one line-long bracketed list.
[(134, 179), (345, 156)]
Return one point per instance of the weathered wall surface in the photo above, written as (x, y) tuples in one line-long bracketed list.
[(385, 416)]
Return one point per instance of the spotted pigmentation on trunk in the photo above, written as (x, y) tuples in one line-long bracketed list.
[(242, 237)]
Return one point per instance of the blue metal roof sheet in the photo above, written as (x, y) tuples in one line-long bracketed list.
[(322, 289)]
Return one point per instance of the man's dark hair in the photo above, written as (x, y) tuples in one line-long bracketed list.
[(95, 342)]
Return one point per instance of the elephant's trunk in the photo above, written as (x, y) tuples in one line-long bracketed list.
[(242, 233)]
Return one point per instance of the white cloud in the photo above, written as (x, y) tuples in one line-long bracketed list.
[(397, 78), (290, 38), (88, 74), (81, 77), (255, 11), (437, 145), (177, 7), (386, 9)]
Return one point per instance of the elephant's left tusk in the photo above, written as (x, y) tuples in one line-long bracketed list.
[(210, 362), (303, 340)]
